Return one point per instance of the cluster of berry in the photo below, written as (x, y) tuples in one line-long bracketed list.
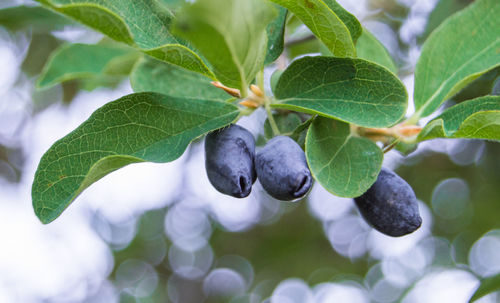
[(232, 165)]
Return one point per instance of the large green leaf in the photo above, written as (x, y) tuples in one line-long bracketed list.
[(352, 90), (488, 285), (350, 21), (231, 35), (35, 17), (457, 52), (344, 164), (369, 48), (135, 128), (324, 23), (150, 75), (73, 61), (478, 118), (143, 24), (276, 35)]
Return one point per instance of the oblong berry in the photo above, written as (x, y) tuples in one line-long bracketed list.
[(390, 205), (229, 160), (282, 169)]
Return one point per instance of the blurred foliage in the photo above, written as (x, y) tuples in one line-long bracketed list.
[(35, 18)]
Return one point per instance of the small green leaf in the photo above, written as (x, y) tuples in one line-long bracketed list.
[(73, 61), (286, 124), (142, 24), (324, 23), (352, 90), (460, 50), (406, 148), (299, 134), (150, 75), (36, 18), (274, 79), (478, 118), (488, 285), (307, 47), (480, 87), (342, 163), (350, 21), (369, 48), (42, 45), (231, 35), (135, 128), (276, 35)]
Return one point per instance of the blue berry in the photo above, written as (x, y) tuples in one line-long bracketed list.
[(282, 169), (229, 160), (390, 205)]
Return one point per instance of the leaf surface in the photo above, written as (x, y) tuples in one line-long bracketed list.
[(135, 128), (73, 61), (460, 50), (324, 23), (343, 164), (369, 48), (351, 90), (286, 125), (151, 75), (478, 118), (276, 35), (143, 24), (231, 35)]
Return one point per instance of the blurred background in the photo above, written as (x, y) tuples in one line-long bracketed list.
[(161, 233)]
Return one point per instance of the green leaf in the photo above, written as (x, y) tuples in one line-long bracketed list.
[(351, 90), (460, 50), (342, 163), (36, 18), (135, 128), (231, 35), (299, 134), (406, 148), (276, 35), (151, 75), (442, 10), (73, 61), (173, 4), (324, 23), (496, 88), (478, 118), (369, 48), (307, 47), (482, 86), (142, 24), (351, 22), (274, 79), (488, 285), (42, 45), (286, 124)]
